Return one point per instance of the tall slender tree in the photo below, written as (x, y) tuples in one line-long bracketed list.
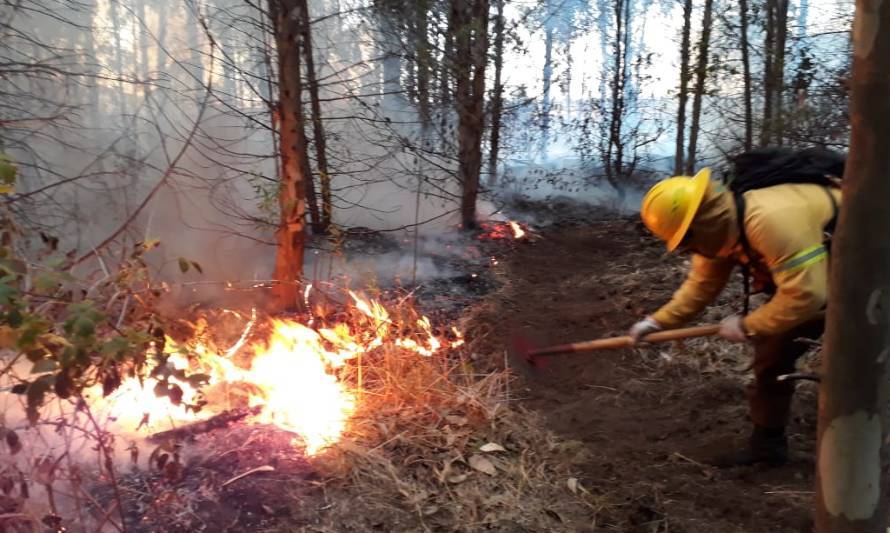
[(470, 18), (497, 93), (701, 76), (683, 93), (746, 74), (291, 234), (853, 489), (321, 221)]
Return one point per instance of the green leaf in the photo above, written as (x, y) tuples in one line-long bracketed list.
[(84, 327), (31, 328), (67, 357), (116, 347), (8, 295), (36, 393), (14, 318), (43, 366), (55, 263), (47, 282), (183, 265), (8, 171)]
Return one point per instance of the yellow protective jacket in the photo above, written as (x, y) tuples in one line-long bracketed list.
[(784, 225)]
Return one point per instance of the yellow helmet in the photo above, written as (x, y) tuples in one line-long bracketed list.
[(670, 205)]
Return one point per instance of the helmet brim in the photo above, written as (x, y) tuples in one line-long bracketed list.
[(699, 186)]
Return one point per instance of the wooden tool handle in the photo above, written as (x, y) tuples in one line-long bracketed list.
[(624, 342)]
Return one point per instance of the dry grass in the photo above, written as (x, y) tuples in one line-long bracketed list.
[(437, 446)]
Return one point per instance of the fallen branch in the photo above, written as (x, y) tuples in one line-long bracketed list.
[(189, 431), (264, 468)]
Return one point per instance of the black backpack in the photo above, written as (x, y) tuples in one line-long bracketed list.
[(766, 167)]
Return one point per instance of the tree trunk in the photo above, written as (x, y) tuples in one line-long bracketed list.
[(683, 96), (769, 44), (227, 59), (614, 156), (852, 493), (161, 56), (424, 61), (291, 234), (746, 73), (445, 68), (621, 102), (118, 57), (96, 113), (143, 30), (701, 75), (391, 88), (497, 95), (470, 57), (547, 80), (321, 222), (779, 69)]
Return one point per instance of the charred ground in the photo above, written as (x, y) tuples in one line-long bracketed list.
[(646, 417)]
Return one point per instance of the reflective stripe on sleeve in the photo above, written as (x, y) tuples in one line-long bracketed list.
[(811, 255)]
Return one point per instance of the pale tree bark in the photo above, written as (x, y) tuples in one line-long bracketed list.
[(470, 19), (683, 95), (445, 68), (142, 30), (321, 221), (118, 57), (852, 492), (291, 234), (746, 73), (390, 48), (547, 78), (497, 94), (160, 67), (95, 113), (701, 76)]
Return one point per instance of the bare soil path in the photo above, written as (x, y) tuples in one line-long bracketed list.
[(647, 417)]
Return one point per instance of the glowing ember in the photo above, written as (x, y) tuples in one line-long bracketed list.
[(518, 232), (504, 230), (293, 375)]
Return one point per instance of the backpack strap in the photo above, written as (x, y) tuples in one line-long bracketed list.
[(746, 247), (829, 228)]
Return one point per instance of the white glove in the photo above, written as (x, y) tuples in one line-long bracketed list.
[(733, 329), (642, 328)]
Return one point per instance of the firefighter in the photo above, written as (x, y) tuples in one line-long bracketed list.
[(783, 248)]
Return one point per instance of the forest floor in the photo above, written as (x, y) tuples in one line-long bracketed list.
[(648, 418), (600, 441)]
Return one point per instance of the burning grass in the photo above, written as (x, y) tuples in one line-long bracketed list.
[(368, 418)]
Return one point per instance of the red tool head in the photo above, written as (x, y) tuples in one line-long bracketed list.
[(521, 346)]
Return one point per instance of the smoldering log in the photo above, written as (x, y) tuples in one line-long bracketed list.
[(189, 431)]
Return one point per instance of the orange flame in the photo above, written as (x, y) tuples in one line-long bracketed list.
[(292, 376), (503, 230), (518, 232)]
